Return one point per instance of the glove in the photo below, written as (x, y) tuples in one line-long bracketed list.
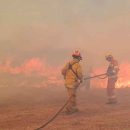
[(80, 81), (111, 73)]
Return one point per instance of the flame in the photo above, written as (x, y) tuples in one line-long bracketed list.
[(35, 66), (123, 77), (51, 76)]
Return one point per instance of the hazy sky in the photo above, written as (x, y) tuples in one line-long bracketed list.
[(53, 28)]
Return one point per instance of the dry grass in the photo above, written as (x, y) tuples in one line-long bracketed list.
[(29, 108)]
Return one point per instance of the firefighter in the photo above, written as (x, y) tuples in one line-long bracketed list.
[(72, 73), (112, 73)]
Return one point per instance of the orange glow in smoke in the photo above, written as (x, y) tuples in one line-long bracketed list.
[(123, 78), (35, 66), (52, 76), (124, 75), (96, 82)]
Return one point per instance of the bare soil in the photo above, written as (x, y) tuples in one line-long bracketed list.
[(28, 108)]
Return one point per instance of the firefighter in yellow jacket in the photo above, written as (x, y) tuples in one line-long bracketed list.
[(73, 77), (112, 73)]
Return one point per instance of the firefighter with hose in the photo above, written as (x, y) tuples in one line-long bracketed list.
[(73, 77), (112, 73)]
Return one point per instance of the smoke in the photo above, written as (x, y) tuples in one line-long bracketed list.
[(35, 27), (123, 76), (124, 80), (52, 30), (40, 74), (34, 68)]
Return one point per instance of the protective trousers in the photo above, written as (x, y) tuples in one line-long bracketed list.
[(111, 88), (72, 96)]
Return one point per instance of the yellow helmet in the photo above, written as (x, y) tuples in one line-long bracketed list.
[(109, 55)]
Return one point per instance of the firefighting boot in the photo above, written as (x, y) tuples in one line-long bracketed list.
[(71, 111), (112, 101)]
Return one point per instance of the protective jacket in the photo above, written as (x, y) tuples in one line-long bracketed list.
[(72, 73), (113, 69)]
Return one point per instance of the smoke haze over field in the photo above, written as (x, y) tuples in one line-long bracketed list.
[(51, 30), (37, 37)]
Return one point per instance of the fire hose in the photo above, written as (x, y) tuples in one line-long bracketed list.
[(97, 76), (66, 103), (60, 110)]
